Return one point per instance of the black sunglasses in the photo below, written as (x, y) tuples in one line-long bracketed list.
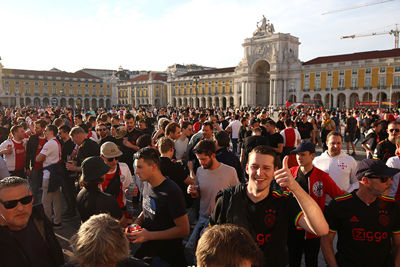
[(112, 159), (394, 130), (383, 179), (102, 129), (13, 203)]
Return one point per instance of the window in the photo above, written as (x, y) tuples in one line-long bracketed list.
[(354, 71), (86, 89), (7, 87), (382, 70), (306, 75), (318, 84), (36, 88), (368, 71), (26, 88), (291, 87), (230, 89), (306, 85), (367, 82), (54, 89), (396, 81), (354, 83), (318, 74), (329, 84), (397, 68), (341, 72), (341, 83), (329, 73), (382, 82)]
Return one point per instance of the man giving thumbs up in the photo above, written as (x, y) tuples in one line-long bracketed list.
[(266, 212)]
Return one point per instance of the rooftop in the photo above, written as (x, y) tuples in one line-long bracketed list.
[(145, 77), (64, 74), (355, 56), (206, 72)]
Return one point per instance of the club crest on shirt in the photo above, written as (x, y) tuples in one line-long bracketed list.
[(383, 218), (318, 188), (342, 165), (270, 218)]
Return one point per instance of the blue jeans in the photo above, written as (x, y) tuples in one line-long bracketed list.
[(234, 145)]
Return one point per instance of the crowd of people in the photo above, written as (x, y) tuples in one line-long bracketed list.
[(212, 187)]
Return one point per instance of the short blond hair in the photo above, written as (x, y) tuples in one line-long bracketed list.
[(99, 241)]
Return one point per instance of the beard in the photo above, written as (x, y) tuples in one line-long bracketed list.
[(208, 165)]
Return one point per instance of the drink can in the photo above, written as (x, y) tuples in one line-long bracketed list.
[(132, 228), (131, 187)]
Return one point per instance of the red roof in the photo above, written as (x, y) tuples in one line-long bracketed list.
[(355, 56), (212, 71), (64, 74), (145, 77)]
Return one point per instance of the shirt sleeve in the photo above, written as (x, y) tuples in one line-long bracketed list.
[(5, 144), (47, 149), (126, 176), (353, 180)]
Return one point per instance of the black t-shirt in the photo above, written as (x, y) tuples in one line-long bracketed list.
[(161, 205), (89, 148), (302, 179), (91, 202), (305, 129), (351, 123), (384, 150), (364, 231), (267, 221), (33, 245), (108, 138), (67, 149), (275, 139), (174, 171), (371, 140)]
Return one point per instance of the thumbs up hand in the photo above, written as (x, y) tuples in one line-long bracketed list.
[(283, 176)]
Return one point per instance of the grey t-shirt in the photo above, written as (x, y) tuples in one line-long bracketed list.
[(211, 182)]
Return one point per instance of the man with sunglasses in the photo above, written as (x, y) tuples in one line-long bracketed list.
[(367, 221), (103, 134), (387, 148), (27, 237)]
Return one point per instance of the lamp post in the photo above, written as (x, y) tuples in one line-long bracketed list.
[(196, 82)]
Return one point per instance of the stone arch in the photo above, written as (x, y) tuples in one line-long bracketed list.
[(101, 102), (78, 102), (86, 103), (180, 102), (353, 100), (381, 96), (94, 103), (209, 102), (395, 97), (185, 101), (306, 98), (197, 102), (203, 102), (231, 102), (157, 102), (341, 100), (191, 102), (367, 97), (328, 100), (292, 99), (317, 97), (224, 102), (28, 101), (71, 102), (46, 102), (261, 68), (216, 101), (174, 102), (108, 103), (63, 102)]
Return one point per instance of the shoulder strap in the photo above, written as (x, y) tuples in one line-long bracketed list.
[(113, 187)]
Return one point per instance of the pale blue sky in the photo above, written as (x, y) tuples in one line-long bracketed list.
[(145, 35)]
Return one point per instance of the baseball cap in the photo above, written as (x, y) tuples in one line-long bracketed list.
[(93, 168), (303, 147), (110, 150), (374, 168)]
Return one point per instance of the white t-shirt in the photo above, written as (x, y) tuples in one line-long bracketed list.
[(10, 158), (394, 162), (235, 126), (341, 169), (125, 178), (180, 147), (297, 135), (52, 151)]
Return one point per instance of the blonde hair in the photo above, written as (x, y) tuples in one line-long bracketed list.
[(99, 241)]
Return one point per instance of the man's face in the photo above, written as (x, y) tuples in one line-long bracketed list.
[(102, 131), (38, 130), (78, 138), (261, 171), (305, 158), (112, 162), (130, 124), (19, 134), (304, 118), (393, 131), (377, 187), (77, 121), (176, 134), (143, 169), (62, 134), (188, 131), (207, 132), (16, 218), (48, 134), (334, 144), (205, 161), (142, 125)]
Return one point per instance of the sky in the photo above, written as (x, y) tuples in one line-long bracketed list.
[(152, 35)]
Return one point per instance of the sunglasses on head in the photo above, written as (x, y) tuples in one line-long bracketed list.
[(13, 203), (394, 130)]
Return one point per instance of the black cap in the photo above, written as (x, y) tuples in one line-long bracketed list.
[(303, 147), (374, 168), (93, 168)]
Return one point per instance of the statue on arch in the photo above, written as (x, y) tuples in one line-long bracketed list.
[(264, 27)]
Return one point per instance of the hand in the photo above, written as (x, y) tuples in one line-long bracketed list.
[(70, 167), (140, 236), (283, 176), (192, 189), (8, 151)]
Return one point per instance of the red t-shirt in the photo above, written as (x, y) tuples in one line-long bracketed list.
[(107, 180), (38, 165), (19, 149)]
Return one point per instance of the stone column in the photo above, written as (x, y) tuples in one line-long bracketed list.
[(276, 92), (243, 94), (251, 92), (285, 91), (271, 92)]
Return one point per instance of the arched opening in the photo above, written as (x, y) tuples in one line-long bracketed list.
[(46, 102), (157, 102), (94, 103), (63, 102), (71, 102), (174, 102), (216, 101), (209, 102), (197, 102), (341, 98), (317, 97), (328, 100), (262, 68), (203, 102), (306, 98), (224, 102), (367, 97), (240, 101), (395, 97), (108, 103), (79, 102), (86, 103), (180, 102), (185, 102), (191, 102), (101, 102), (353, 100), (292, 99), (381, 96), (22, 102), (27, 101), (231, 102)]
